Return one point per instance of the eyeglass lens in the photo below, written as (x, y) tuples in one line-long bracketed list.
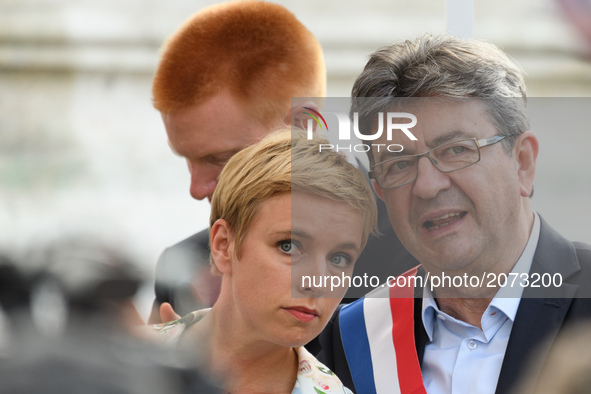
[(448, 157)]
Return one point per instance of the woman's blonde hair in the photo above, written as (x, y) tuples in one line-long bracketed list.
[(281, 162)]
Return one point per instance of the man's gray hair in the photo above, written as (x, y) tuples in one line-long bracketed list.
[(443, 66)]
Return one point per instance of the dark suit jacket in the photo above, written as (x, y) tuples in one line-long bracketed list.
[(542, 313)]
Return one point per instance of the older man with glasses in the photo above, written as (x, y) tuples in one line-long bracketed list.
[(458, 197)]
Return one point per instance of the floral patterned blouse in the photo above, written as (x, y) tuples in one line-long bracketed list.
[(313, 377)]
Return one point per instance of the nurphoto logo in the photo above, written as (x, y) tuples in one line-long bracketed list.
[(344, 130)]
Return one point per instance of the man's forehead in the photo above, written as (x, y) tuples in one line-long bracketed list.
[(195, 132), (199, 146)]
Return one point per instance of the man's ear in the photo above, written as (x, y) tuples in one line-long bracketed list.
[(222, 245), (526, 153), (296, 115), (378, 189)]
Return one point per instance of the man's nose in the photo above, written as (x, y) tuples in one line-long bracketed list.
[(430, 180), (204, 179)]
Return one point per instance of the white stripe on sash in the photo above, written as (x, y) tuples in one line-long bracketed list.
[(378, 321)]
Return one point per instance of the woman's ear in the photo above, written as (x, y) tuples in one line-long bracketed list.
[(221, 239), (526, 153)]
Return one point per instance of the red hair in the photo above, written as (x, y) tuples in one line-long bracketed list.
[(258, 51)]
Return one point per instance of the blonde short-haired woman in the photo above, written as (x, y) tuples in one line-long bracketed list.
[(282, 212)]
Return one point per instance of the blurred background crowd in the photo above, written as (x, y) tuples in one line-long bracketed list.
[(83, 151)]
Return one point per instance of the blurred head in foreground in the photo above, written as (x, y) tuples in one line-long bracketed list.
[(67, 328), (567, 369)]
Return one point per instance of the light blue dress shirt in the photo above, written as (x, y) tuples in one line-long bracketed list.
[(461, 358)]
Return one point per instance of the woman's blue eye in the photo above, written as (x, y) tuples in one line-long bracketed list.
[(340, 260), (285, 246)]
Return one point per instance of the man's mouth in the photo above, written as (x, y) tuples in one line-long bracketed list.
[(444, 220)]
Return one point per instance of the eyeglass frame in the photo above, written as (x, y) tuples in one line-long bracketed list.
[(481, 143)]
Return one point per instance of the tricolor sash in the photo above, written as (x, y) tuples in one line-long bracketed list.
[(377, 333)]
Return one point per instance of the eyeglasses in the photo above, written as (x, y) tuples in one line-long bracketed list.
[(449, 157)]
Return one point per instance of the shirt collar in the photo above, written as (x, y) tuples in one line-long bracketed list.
[(507, 298)]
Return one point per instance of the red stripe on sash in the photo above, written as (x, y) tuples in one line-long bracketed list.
[(402, 308)]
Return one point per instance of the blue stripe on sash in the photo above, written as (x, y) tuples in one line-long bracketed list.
[(356, 346)]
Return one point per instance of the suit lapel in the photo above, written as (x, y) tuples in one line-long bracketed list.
[(421, 337), (541, 311)]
